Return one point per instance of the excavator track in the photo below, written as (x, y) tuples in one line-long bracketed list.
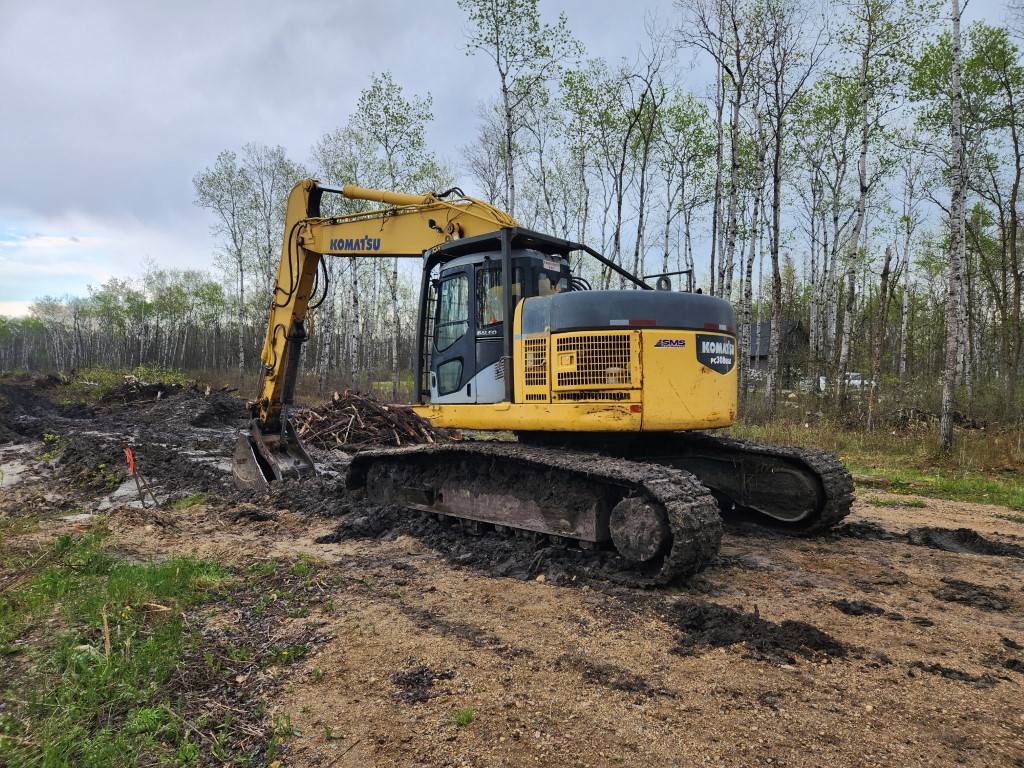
[(795, 490), (663, 522)]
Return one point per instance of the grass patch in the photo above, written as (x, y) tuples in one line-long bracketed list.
[(94, 642), (877, 502), (1011, 518), (951, 484), (463, 717), (187, 502)]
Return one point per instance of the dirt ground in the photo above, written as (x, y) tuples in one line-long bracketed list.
[(897, 640)]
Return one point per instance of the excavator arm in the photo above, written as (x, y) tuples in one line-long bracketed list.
[(410, 226)]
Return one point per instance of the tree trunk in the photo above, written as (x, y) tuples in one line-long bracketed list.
[(716, 206), (396, 331), (876, 351), (956, 234), (241, 318), (858, 227)]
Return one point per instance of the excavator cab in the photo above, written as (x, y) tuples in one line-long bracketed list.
[(466, 348), (469, 294)]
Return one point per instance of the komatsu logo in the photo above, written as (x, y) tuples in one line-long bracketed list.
[(670, 343), (356, 244), (716, 352), (718, 348)]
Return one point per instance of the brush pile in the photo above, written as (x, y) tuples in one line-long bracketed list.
[(354, 421)]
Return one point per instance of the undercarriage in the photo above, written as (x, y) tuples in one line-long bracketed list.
[(655, 501)]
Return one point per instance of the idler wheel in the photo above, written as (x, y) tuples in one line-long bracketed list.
[(639, 530)]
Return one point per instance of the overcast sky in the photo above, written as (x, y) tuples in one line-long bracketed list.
[(112, 107)]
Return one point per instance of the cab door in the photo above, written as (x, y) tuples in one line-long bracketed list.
[(490, 330), (453, 362)]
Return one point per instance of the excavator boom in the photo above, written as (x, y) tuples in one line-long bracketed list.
[(412, 225)]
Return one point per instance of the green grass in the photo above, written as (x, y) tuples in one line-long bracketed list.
[(916, 503), (93, 642), (958, 486), (189, 501), (88, 384), (463, 717)]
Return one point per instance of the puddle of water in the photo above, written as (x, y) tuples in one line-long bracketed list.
[(83, 517), (14, 464), (127, 495)]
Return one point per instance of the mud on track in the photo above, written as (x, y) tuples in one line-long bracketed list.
[(896, 640)]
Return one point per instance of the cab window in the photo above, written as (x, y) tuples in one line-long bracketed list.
[(453, 311), (490, 309), (551, 282)]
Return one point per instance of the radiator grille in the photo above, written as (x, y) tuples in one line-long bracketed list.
[(536, 368), (594, 360)]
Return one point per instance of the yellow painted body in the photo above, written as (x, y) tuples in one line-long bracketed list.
[(611, 380)]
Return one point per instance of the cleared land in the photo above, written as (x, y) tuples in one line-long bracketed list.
[(896, 640)]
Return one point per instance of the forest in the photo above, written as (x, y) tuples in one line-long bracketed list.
[(847, 176)]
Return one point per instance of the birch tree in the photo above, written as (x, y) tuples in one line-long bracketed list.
[(956, 236), (786, 66), (526, 53), (727, 31), (880, 37), (392, 127), (227, 191), (272, 176)]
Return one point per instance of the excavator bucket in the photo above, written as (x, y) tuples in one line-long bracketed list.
[(261, 459)]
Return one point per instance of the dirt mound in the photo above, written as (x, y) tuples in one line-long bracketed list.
[(354, 420), (618, 679), (416, 683), (963, 541), (321, 495), (864, 530), (132, 389), (706, 624), (25, 412), (174, 407), (966, 593), (982, 681), (857, 608)]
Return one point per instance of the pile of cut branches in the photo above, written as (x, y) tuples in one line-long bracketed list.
[(354, 421)]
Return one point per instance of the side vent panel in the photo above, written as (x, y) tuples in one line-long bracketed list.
[(535, 370), (596, 366)]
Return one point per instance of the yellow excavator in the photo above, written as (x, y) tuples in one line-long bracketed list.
[(607, 391)]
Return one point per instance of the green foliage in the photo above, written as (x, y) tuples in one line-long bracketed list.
[(77, 704), (283, 728), (463, 717), (915, 503), (992, 79), (290, 654), (53, 446), (187, 502)]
